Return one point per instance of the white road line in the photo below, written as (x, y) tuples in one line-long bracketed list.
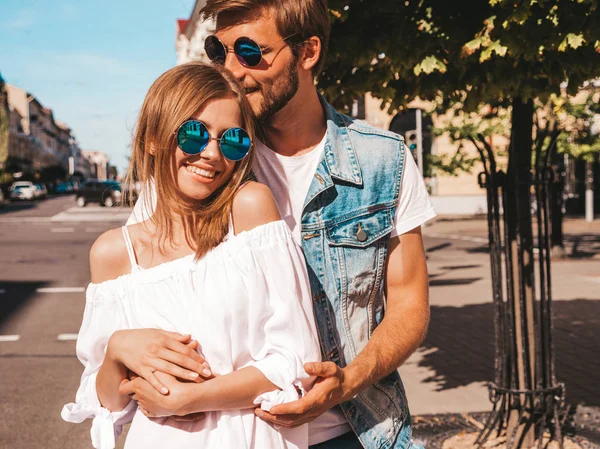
[(61, 290), (9, 338), (62, 230), (94, 229), (66, 337), (19, 220), (456, 237)]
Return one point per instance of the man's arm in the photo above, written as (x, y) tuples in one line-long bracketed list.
[(406, 318), (399, 334)]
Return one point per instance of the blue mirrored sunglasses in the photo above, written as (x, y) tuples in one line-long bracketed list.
[(193, 137)]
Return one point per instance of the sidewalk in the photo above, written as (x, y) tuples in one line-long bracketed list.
[(448, 374)]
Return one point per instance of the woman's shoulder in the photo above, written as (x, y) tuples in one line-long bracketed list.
[(254, 205), (109, 257)]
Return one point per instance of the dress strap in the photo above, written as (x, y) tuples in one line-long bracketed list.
[(130, 251), (231, 230)]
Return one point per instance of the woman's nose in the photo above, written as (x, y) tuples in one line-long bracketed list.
[(212, 150)]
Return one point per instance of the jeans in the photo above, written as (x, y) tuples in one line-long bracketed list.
[(350, 441), (346, 441)]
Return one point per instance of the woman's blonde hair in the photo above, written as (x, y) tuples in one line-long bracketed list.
[(175, 97)]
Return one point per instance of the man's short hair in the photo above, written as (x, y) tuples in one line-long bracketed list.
[(296, 19)]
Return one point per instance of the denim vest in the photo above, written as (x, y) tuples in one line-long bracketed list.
[(346, 223)]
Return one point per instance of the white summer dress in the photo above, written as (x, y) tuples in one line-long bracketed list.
[(247, 302)]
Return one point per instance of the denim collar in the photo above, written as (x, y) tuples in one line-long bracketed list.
[(339, 154)]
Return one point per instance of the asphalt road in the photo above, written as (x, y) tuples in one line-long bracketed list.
[(44, 270)]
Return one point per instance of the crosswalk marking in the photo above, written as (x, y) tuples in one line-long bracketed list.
[(61, 290), (93, 214), (9, 338), (96, 230), (456, 237), (62, 230), (66, 337)]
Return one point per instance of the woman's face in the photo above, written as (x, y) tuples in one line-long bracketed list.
[(200, 175)]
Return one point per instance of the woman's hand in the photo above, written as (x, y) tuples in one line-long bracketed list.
[(145, 351), (155, 405)]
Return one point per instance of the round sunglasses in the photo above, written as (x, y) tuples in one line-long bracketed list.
[(193, 138), (248, 52)]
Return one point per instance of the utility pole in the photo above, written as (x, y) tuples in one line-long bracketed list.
[(419, 120), (589, 191)]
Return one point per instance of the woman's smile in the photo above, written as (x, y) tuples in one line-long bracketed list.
[(201, 174)]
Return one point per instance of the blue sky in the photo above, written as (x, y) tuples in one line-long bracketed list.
[(92, 62)]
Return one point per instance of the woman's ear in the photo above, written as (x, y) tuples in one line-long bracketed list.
[(151, 149)]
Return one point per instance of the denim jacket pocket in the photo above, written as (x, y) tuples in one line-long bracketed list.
[(362, 230)]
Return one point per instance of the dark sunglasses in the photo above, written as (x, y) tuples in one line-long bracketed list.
[(193, 137), (248, 52)]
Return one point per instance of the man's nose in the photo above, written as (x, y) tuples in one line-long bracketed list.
[(233, 64)]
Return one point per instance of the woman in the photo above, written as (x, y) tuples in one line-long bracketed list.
[(216, 264)]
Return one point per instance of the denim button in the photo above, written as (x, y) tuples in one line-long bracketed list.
[(361, 236)]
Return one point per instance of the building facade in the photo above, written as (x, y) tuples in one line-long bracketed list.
[(37, 140), (99, 164), (190, 36)]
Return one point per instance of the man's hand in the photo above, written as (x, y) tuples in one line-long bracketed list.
[(155, 405), (330, 389)]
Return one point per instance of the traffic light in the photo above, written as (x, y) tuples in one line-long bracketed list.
[(410, 138), (410, 123)]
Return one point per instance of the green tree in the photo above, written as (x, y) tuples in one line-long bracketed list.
[(499, 52)]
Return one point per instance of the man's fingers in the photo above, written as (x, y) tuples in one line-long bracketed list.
[(126, 388), (192, 417), (321, 369), (278, 420), (293, 408)]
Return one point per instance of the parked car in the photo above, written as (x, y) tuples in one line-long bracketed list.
[(64, 187), (41, 191), (23, 190), (107, 193)]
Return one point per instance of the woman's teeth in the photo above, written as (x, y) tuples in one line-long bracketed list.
[(201, 172)]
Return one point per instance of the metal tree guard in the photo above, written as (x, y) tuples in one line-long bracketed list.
[(527, 400)]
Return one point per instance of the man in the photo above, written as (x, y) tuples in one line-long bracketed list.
[(355, 201)]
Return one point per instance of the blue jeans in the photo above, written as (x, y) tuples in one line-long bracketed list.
[(350, 441), (346, 441)]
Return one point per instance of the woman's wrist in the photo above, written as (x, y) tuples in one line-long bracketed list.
[(112, 353), (194, 399)]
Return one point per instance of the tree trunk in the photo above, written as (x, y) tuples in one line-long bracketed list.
[(520, 240), (556, 206)]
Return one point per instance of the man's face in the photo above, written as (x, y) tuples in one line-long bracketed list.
[(274, 81)]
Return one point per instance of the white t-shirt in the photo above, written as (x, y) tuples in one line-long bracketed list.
[(289, 179)]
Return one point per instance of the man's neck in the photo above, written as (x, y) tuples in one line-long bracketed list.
[(298, 127)]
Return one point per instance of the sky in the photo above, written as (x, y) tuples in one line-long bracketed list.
[(91, 62)]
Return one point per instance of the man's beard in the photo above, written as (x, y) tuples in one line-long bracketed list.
[(279, 94)]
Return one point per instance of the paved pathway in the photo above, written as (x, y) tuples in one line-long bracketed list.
[(448, 373)]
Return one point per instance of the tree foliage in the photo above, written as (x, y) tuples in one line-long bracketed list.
[(468, 52), (575, 119)]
